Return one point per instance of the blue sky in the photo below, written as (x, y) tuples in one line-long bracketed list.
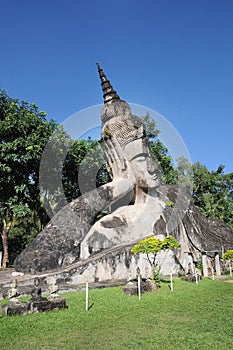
[(176, 57)]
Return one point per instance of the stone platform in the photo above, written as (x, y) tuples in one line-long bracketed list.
[(17, 307)]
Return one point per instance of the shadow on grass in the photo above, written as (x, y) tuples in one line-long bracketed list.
[(90, 307), (165, 281)]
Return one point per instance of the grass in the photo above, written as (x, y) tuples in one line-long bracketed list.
[(191, 317)]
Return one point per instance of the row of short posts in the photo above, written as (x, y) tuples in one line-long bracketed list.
[(139, 285)]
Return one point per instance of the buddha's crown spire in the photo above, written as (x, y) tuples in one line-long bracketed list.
[(109, 94)]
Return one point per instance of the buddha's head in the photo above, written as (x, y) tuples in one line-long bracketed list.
[(129, 131), (130, 134)]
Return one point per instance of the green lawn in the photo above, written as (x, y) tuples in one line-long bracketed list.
[(191, 317)]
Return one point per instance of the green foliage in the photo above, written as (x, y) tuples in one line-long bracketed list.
[(107, 132), (156, 275), (147, 245), (170, 243), (200, 266), (159, 152), (153, 245), (168, 173), (150, 126), (169, 204), (84, 168), (213, 193), (228, 255), (24, 132), (185, 174)]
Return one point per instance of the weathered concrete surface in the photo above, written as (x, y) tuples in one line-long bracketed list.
[(16, 307), (58, 245), (196, 233)]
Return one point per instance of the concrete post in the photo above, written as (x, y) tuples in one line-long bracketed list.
[(204, 264), (217, 264)]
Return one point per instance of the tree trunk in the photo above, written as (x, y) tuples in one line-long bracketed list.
[(6, 229)]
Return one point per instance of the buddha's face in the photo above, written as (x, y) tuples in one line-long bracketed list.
[(145, 168)]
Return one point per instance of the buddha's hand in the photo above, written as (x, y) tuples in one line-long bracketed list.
[(118, 165)]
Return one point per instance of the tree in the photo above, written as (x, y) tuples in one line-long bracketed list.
[(24, 132), (228, 255), (150, 127), (159, 151), (185, 174), (151, 246), (213, 192), (84, 168)]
